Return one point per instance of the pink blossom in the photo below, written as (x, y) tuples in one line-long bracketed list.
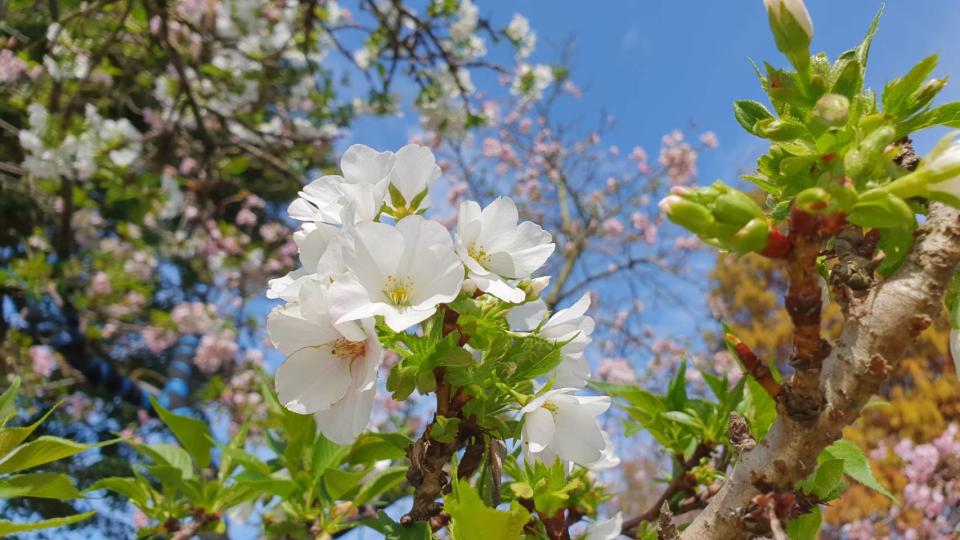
[(616, 371), (100, 284), (246, 217), (43, 359), (571, 88), (10, 66), (139, 519), (687, 243), (638, 154), (193, 317), (157, 339), (678, 158), (491, 147), (709, 139), (525, 126), (612, 226), (215, 349)]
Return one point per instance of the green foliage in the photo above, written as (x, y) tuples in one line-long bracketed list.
[(676, 421), (831, 149), (471, 519), (855, 465), (805, 527), (17, 456)]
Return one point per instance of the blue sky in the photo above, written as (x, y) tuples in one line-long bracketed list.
[(660, 64)]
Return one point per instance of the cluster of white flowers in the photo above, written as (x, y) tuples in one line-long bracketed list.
[(75, 155), (367, 251), (530, 81), (524, 39)]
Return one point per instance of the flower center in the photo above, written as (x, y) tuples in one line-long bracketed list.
[(345, 349), (550, 407), (399, 291), (478, 253)]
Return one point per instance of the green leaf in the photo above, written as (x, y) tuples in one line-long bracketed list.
[(944, 115), (951, 300), (281, 487), (40, 451), (380, 484), (748, 113), (805, 527), (896, 92), (340, 483), (168, 455), (11, 437), (444, 429), (824, 479), (762, 409), (41, 485), (392, 530), (8, 400), (371, 447), (863, 50), (855, 465), (676, 397), (9, 527), (134, 489), (895, 244), (471, 519), (193, 434)]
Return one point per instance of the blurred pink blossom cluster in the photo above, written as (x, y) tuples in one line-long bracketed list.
[(678, 158), (216, 349), (10, 66), (616, 371)]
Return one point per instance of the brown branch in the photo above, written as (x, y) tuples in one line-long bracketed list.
[(753, 365), (802, 398), (887, 320)]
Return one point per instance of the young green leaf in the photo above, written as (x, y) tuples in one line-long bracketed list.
[(193, 434), (806, 526), (40, 451), (9, 527), (855, 465), (748, 113), (471, 519), (40, 485)]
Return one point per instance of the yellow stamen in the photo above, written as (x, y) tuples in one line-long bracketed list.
[(399, 291), (345, 349), (478, 253)]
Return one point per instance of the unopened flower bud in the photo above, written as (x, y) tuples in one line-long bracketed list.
[(792, 29), (533, 287), (831, 110)]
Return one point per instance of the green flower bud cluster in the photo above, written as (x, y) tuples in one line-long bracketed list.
[(720, 215)]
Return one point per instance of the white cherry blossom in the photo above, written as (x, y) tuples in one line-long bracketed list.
[(561, 425), (414, 171), (330, 369), (399, 272), (496, 250), (607, 529), (362, 187), (570, 325), (320, 248)]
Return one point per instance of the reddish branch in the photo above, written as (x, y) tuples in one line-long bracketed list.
[(753, 365), (802, 398)]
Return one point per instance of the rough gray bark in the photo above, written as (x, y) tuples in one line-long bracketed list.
[(879, 327)]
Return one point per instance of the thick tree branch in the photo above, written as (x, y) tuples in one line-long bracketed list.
[(880, 327)]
